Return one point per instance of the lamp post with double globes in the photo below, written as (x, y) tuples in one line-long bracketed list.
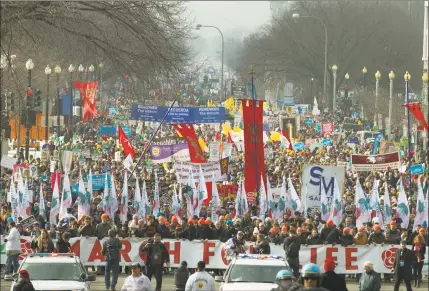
[(389, 126), (48, 72), (425, 79), (364, 71), (71, 69), (377, 82), (58, 108), (29, 65), (407, 78), (334, 95), (101, 66), (80, 69)]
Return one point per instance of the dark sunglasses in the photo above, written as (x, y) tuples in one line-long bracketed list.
[(310, 278)]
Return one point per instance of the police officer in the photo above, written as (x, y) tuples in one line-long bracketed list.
[(112, 257), (310, 278), (285, 281)]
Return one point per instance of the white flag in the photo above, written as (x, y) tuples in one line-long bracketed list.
[(245, 202), (325, 205), (402, 208), (84, 202), (216, 203), (89, 188), (294, 203), (192, 195), (138, 205), (202, 191), (336, 214), (421, 207), (23, 203), (156, 203), (55, 205), (124, 200), (42, 206), (387, 209), (363, 210), (107, 199), (374, 203), (271, 203), (262, 200), (238, 201), (175, 206), (283, 198), (66, 197), (115, 206), (146, 207), (13, 200), (128, 162)]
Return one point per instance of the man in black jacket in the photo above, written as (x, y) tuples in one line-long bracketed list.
[(402, 267), (24, 283), (331, 280), (110, 251), (291, 246), (63, 245), (181, 276), (157, 254)]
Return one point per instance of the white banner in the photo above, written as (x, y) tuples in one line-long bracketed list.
[(214, 151), (8, 162), (211, 171), (316, 176), (227, 150), (350, 259)]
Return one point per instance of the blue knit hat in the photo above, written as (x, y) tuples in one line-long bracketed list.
[(9, 219)]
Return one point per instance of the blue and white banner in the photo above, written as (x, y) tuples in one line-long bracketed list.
[(98, 181), (417, 169), (376, 143), (169, 153), (178, 114)]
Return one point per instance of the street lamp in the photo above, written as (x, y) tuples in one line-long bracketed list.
[(101, 66), (91, 70), (347, 76), (377, 82), (325, 72), (334, 95), (57, 71), (364, 71), (48, 72), (29, 65), (80, 69), (407, 78), (198, 27), (389, 127), (71, 69)]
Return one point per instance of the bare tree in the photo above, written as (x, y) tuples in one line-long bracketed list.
[(376, 34)]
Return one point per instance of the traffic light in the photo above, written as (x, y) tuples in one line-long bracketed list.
[(30, 101), (10, 102), (38, 98), (346, 92)]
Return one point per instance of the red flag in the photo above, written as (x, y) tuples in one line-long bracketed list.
[(229, 139), (56, 177), (123, 140), (88, 91), (254, 166), (284, 133), (418, 114), (217, 136)]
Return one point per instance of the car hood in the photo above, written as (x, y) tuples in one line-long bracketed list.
[(251, 286), (58, 285)]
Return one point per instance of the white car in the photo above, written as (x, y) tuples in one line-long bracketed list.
[(57, 272), (252, 273)]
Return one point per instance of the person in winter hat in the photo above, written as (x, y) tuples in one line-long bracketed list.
[(331, 280)]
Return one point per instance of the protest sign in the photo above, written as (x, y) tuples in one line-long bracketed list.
[(375, 162), (8, 162), (169, 153), (314, 177), (211, 170)]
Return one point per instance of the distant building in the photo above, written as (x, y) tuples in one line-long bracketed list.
[(278, 7)]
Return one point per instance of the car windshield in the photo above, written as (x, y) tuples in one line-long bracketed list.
[(257, 274), (370, 135), (53, 271)]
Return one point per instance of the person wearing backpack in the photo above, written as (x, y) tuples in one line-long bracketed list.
[(291, 246), (110, 251), (157, 254)]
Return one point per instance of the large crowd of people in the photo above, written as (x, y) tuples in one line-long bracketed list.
[(293, 229)]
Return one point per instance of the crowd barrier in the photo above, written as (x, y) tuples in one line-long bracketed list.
[(350, 259)]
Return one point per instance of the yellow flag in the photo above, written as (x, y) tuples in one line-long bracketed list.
[(225, 129), (275, 136), (202, 143)]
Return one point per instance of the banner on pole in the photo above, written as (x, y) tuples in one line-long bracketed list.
[(212, 170), (169, 153), (375, 162), (314, 177), (350, 259), (178, 114)]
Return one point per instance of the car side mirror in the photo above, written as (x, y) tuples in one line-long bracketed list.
[(219, 279), (91, 278)]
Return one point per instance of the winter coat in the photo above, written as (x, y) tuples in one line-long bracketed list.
[(205, 233), (289, 286), (405, 272), (313, 240), (346, 240), (333, 236), (87, 231), (63, 246), (369, 281), (361, 239), (377, 238), (217, 233), (181, 277), (13, 241), (393, 236), (149, 249), (23, 285), (262, 247), (164, 231), (190, 233), (333, 282), (150, 230), (102, 230), (288, 242)]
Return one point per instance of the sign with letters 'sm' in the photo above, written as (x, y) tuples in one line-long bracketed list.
[(317, 178)]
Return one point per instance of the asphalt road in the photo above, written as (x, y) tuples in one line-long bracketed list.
[(168, 284)]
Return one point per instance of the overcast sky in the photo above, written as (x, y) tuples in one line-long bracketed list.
[(229, 15)]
